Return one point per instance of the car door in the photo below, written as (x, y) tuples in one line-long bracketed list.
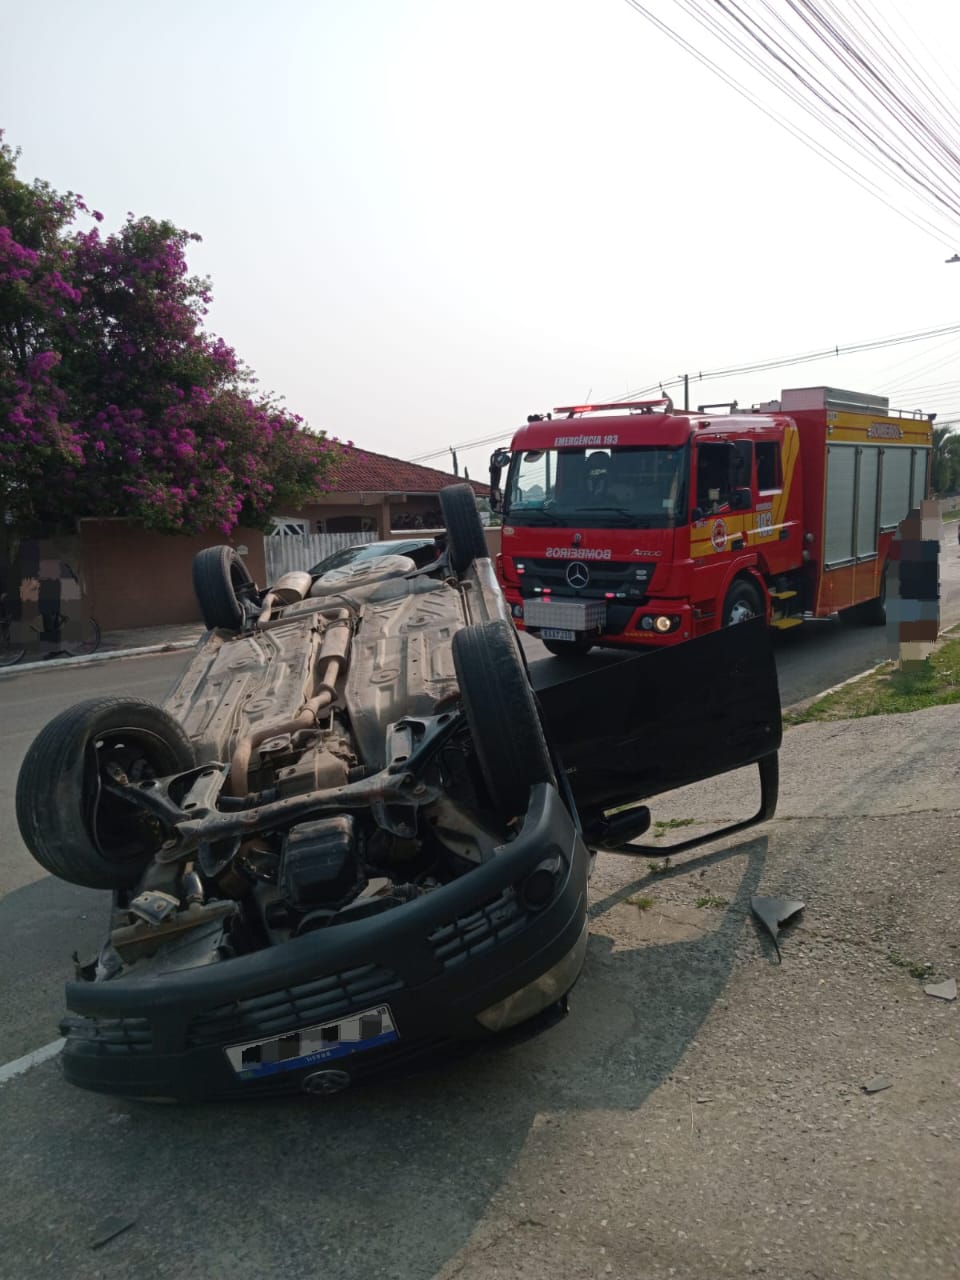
[(629, 730)]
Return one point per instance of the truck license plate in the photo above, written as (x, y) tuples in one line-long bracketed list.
[(554, 633)]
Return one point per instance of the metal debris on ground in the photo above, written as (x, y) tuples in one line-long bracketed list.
[(110, 1228), (774, 912), (876, 1084), (942, 990)]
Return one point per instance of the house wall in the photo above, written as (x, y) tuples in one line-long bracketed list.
[(381, 512), (341, 512), (136, 578)]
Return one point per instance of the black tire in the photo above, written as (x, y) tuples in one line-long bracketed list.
[(568, 648), (743, 602), (73, 829), (465, 537), (502, 715), (874, 612), (220, 583)]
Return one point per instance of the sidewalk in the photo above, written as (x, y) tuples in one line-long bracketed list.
[(175, 635), (130, 643), (702, 1112)]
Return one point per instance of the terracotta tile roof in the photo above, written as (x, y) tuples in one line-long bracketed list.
[(363, 472)]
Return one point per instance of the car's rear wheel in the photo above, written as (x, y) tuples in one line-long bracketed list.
[(73, 826), (465, 537), (502, 714), (221, 584)]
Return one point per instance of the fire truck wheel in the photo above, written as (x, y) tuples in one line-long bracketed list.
[(874, 612), (500, 710), (743, 602), (568, 648), (465, 537)]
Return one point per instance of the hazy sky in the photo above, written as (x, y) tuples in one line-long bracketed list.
[(425, 219)]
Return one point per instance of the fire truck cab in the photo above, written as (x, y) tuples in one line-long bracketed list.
[(633, 524)]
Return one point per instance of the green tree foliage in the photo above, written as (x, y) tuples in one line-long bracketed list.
[(945, 467), (114, 400)]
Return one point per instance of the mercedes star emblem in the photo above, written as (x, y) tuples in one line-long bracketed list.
[(578, 575)]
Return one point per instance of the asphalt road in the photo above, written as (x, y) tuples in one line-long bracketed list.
[(36, 912), (810, 658), (390, 1182)]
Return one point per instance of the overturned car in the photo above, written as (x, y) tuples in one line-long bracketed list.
[(354, 832)]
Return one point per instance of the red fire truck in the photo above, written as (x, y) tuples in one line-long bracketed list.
[(635, 524)]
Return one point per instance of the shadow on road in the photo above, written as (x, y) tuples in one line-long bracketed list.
[(40, 926), (384, 1181), (809, 659)]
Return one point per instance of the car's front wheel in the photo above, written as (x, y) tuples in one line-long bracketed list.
[(502, 714), (73, 824)]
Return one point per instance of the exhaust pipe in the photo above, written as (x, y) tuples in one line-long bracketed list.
[(332, 658)]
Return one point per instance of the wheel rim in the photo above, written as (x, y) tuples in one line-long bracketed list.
[(742, 611), (121, 830)]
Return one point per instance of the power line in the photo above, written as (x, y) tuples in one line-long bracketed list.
[(828, 69), (807, 358), (875, 344), (836, 162)]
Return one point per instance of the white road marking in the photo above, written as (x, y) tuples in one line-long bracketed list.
[(19, 1065)]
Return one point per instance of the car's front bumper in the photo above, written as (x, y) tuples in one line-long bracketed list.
[(436, 966)]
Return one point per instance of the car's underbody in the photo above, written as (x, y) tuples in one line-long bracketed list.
[(352, 831)]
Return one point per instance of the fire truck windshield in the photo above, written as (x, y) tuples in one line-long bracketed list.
[(637, 486)]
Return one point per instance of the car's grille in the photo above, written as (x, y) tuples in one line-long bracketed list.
[(111, 1035), (631, 579), (480, 931), (321, 1000)]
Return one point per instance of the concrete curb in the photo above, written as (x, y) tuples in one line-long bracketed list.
[(804, 703), (91, 659)]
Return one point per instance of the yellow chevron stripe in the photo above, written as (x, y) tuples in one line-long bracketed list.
[(791, 451)]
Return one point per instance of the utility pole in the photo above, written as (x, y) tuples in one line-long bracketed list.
[(686, 391), (453, 454)]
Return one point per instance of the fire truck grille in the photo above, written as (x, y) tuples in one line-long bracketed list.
[(627, 581)]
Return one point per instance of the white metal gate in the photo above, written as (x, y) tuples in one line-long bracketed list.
[(303, 551)]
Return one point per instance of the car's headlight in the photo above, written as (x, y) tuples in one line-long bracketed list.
[(539, 994)]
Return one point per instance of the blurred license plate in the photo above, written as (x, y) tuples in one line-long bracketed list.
[(554, 633)]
